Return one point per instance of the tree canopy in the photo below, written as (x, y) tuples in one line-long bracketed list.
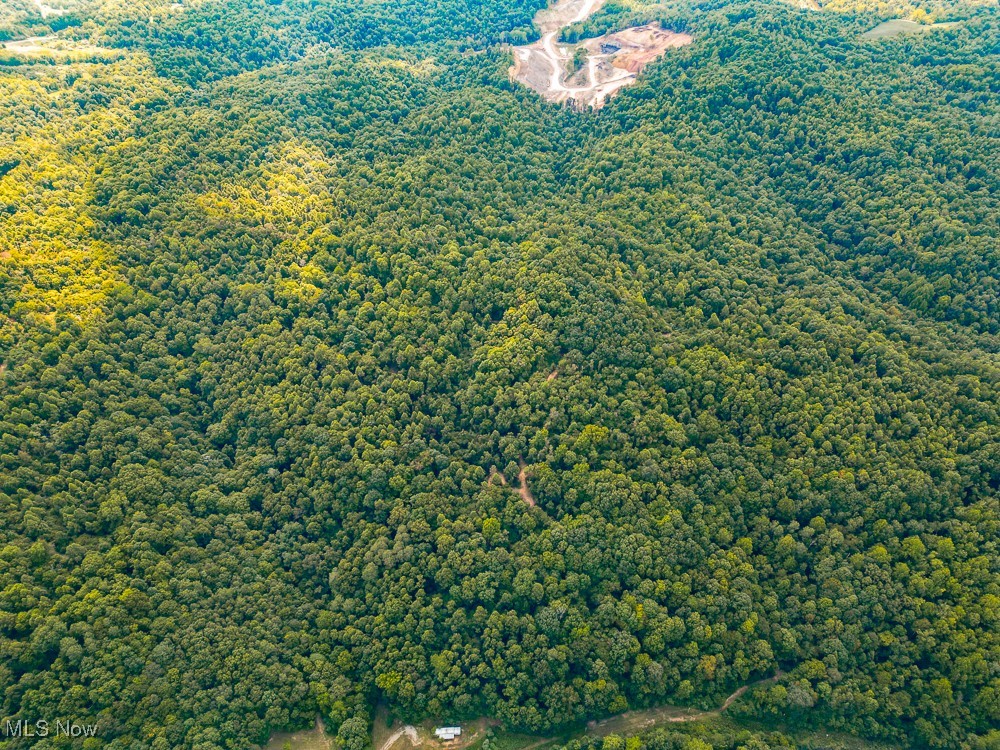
[(300, 302)]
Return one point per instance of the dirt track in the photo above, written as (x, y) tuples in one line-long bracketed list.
[(523, 490), (633, 721), (409, 731), (630, 722)]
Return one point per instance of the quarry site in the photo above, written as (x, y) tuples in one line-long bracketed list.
[(588, 73)]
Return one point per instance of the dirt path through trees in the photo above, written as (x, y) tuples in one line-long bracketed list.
[(634, 721), (522, 481), (628, 723)]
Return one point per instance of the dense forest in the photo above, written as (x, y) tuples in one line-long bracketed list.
[(338, 370)]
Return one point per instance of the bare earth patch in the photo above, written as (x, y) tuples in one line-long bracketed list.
[(410, 732), (497, 477), (523, 490), (609, 62), (48, 10), (409, 737)]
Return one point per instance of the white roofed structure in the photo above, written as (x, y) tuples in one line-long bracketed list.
[(448, 733)]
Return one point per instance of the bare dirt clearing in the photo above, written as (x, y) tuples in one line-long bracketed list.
[(48, 10), (610, 61), (409, 736), (409, 731), (523, 490)]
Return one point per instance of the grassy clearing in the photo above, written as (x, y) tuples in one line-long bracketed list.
[(514, 741), (383, 726), (308, 739), (54, 50), (902, 26)]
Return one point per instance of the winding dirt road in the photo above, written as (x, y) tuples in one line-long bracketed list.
[(613, 60), (547, 54), (634, 721), (558, 56)]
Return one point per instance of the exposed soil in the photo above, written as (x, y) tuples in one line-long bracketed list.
[(523, 490), (48, 10), (641, 45), (553, 375), (612, 61), (626, 723), (497, 476), (29, 46), (634, 721), (411, 734), (522, 482)]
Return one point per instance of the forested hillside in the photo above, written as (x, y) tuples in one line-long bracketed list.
[(292, 294)]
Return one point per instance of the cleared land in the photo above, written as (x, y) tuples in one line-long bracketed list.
[(409, 731), (48, 10), (410, 737), (900, 26), (309, 739), (406, 737), (609, 62), (523, 490), (59, 50)]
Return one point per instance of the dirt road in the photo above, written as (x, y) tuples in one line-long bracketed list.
[(523, 490), (409, 731), (628, 723), (612, 61), (546, 54), (633, 721)]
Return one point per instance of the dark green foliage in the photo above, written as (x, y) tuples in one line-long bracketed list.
[(739, 327), (213, 40)]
